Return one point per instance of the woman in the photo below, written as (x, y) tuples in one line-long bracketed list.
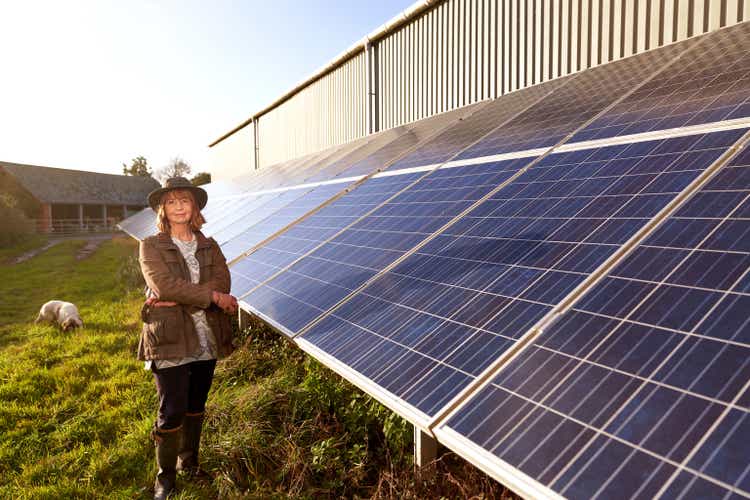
[(186, 324)]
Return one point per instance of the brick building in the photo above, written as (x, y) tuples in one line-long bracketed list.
[(63, 200)]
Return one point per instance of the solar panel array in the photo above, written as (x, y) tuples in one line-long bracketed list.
[(615, 397), (554, 283), (579, 99), (463, 299), (708, 84), (271, 222)]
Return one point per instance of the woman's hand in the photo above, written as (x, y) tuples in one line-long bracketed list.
[(227, 302), (155, 302)]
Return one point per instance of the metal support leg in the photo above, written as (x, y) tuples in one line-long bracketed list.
[(244, 319), (425, 447)]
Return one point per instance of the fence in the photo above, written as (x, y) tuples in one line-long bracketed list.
[(64, 227)]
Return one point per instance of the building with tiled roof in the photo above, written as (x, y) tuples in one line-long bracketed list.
[(74, 199)]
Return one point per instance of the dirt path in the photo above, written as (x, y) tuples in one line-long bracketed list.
[(92, 243), (89, 248), (33, 253)]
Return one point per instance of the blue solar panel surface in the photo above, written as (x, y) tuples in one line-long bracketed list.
[(262, 224), (230, 218), (569, 107), (318, 281), (711, 82), (411, 135), (425, 329), (485, 118), (642, 387), (307, 234), (224, 213)]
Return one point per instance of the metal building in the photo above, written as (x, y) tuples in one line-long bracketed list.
[(439, 55)]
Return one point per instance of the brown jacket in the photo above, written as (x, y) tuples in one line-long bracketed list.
[(169, 332)]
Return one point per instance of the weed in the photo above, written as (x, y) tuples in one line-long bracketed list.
[(129, 275)]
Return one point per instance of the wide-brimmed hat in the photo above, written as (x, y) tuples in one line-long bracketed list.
[(154, 197)]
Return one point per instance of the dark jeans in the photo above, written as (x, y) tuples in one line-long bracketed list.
[(182, 389)]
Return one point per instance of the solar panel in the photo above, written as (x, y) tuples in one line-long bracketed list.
[(140, 224), (447, 144), (262, 224), (710, 82), (641, 388), (293, 171), (284, 183), (425, 329), (314, 230), (319, 280), (143, 223), (423, 285), (275, 255), (227, 215), (409, 136), (265, 223), (240, 213), (582, 96)]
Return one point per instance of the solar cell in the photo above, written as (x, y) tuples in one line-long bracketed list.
[(227, 215), (317, 281), (582, 96), (294, 171), (641, 388), (710, 82)]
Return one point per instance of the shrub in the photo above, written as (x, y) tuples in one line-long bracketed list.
[(129, 274), (15, 227)]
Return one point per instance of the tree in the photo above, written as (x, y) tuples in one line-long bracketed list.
[(138, 167), (177, 168), (201, 178)]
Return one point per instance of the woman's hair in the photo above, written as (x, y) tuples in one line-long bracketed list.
[(196, 219)]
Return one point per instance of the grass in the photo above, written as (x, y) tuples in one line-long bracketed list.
[(29, 243), (77, 407)]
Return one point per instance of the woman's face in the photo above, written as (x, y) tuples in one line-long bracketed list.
[(178, 207)]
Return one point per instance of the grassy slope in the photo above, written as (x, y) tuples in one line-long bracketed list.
[(29, 243), (77, 407)]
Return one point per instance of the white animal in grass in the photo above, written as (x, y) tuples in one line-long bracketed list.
[(63, 313)]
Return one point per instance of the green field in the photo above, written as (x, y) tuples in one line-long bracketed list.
[(76, 408)]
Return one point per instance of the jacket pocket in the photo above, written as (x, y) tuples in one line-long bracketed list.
[(206, 261), (221, 325), (164, 325), (174, 262)]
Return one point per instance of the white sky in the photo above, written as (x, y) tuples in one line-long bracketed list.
[(90, 85)]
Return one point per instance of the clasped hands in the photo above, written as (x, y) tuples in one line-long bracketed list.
[(227, 302)]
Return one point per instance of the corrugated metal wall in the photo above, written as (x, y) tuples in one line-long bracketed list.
[(465, 51), (233, 156), (328, 112)]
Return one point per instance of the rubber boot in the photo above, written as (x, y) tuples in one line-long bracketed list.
[(187, 458), (167, 443)]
